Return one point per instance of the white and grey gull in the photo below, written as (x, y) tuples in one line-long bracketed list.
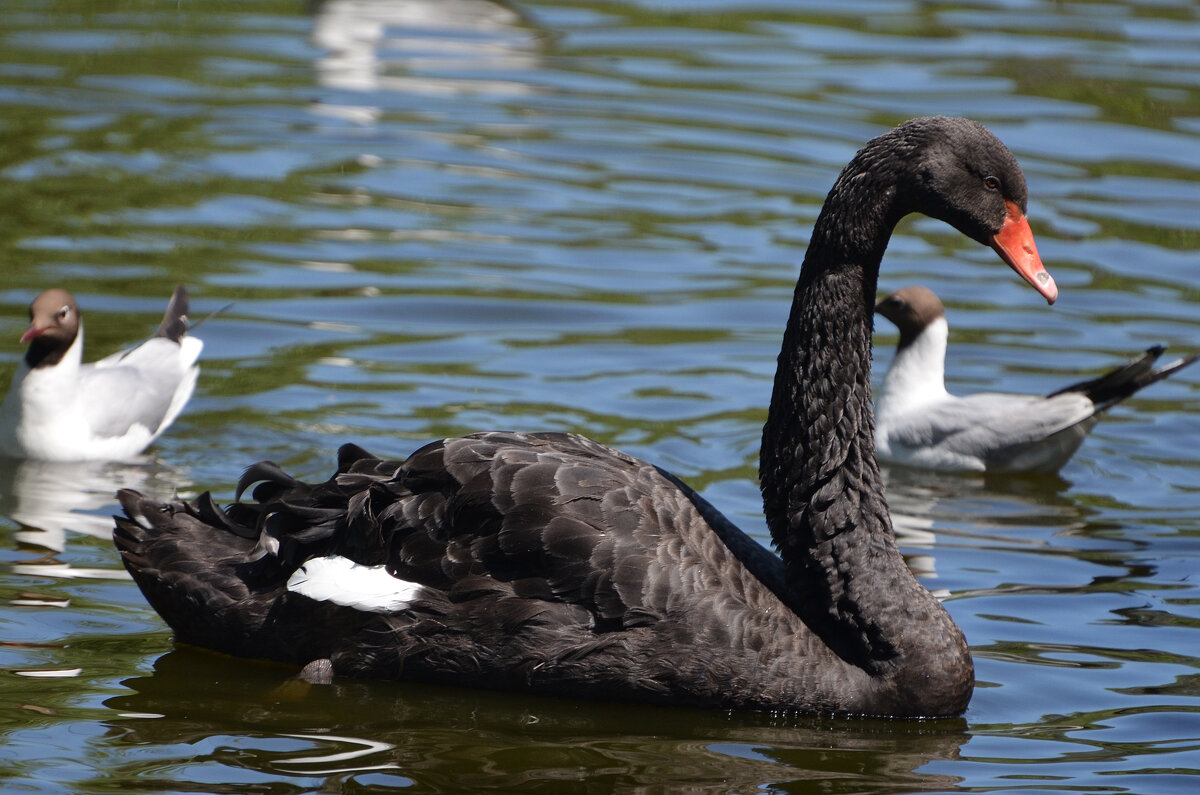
[(918, 423), (60, 409), (550, 563)]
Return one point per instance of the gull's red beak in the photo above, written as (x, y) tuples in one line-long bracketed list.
[(31, 332), (1014, 243)]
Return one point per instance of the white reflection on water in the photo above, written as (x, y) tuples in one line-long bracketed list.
[(416, 48), (359, 749), (589, 216), (51, 500)]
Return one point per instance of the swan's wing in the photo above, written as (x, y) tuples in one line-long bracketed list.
[(560, 518), (987, 430), (143, 386), (478, 550), (529, 519)]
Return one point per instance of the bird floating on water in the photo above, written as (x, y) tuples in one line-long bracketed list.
[(59, 409), (919, 424), (549, 563)]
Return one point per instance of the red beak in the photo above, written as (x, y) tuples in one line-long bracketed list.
[(1014, 243), (31, 332)]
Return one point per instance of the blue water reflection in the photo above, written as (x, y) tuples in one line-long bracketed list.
[(437, 217)]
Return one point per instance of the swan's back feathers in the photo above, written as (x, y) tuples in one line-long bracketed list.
[(548, 519), (552, 564), (521, 556), (203, 586)]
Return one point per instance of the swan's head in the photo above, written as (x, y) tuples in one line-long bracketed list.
[(962, 174)]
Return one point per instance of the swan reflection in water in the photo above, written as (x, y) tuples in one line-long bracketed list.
[(50, 500), (448, 739)]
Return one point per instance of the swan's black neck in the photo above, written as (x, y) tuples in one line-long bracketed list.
[(822, 492)]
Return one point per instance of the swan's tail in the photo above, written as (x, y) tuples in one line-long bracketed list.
[(1118, 384), (188, 569), (203, 570)]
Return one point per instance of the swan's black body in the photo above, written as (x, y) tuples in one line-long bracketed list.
[(552, 564)]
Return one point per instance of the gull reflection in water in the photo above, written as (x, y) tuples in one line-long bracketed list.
[(50, 500), (976, 512), (913, 507)]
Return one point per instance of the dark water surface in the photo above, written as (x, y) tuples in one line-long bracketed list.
[(437, 217)]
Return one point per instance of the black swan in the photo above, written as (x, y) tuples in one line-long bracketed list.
[(60, 409), (549, 563), (919, 424)]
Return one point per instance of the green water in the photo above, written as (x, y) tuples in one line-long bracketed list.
[(438, 217)]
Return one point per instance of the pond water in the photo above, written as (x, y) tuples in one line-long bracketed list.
[(437, 217)]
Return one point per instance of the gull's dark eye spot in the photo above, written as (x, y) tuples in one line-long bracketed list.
[(991, 183), (62, 313)]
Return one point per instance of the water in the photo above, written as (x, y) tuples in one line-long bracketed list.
[(440, 217)]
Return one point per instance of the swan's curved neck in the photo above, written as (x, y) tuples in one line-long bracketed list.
[(822, 491)]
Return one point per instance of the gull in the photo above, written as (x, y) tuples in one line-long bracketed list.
[(59, 409), (919, 424)]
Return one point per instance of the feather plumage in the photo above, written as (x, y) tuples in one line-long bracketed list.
[(551, 563)]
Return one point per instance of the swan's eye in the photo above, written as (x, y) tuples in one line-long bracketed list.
[(991, 183)]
